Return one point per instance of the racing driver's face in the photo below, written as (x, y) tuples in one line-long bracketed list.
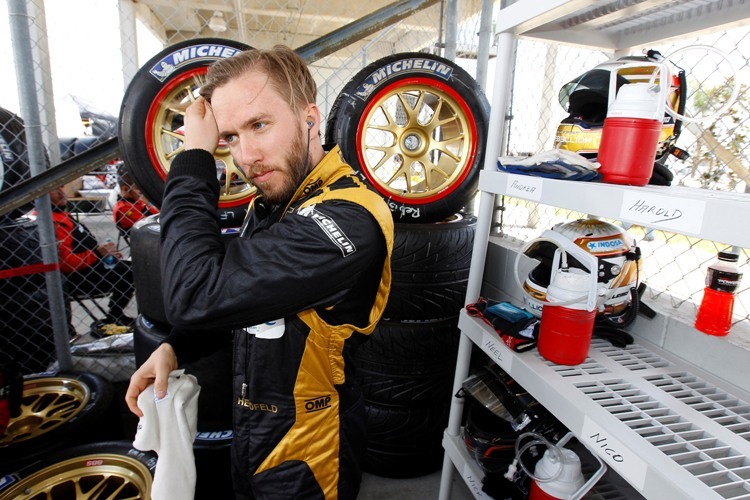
[(265, 137)]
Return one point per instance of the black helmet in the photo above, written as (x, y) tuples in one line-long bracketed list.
[(499, 411), (586, 99)]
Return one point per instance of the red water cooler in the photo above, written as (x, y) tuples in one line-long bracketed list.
[(570, 306), (632, 128)]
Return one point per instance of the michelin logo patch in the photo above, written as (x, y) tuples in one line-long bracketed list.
[(331, 229), (172, 62), (422, 65)]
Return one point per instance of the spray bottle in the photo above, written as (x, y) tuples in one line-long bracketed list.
[(557, 475)]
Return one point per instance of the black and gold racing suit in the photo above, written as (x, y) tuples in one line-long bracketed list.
[(301, 287)]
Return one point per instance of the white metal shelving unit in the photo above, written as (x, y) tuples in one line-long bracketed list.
[(668, 428)]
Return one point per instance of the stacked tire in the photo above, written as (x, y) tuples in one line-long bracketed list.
[(406, 367), (110, 469), (57, 410), (414, 126), (213, 372)]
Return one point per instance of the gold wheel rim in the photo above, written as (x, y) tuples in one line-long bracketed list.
[(416, 141), (47, 403), (88, 477), (168, 141)]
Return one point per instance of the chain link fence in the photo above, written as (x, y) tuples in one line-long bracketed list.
[(79, 50), (718, 147)]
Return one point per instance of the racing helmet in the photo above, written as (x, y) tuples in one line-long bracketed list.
[(617, 256), (499, 411), (586, 99)]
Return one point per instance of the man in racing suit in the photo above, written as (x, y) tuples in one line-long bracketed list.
[(305, 282)]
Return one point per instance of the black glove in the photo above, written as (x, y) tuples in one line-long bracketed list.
[(661, 176)]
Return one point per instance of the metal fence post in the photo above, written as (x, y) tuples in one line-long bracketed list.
[(19, 24)]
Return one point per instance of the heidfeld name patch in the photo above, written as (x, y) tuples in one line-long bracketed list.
[(395, 68), (172, 62)]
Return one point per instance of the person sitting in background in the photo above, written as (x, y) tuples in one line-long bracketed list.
[(82, 262), (130, 206)]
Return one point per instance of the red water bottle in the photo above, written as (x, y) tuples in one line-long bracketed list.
[(722, 280), (565, 476)]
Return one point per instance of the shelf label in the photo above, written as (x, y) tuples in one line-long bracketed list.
[(498, 351), (524, 186), (473, 482), (678, 215), (614, 453)]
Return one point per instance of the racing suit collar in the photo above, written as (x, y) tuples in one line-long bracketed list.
[(331, 167)]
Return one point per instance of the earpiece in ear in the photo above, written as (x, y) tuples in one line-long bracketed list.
[(310, 123)]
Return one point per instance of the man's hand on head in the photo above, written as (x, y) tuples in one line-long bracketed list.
[(201, 131)]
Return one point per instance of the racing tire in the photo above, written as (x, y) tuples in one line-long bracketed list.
[(430, 268), (213, 441), (58, 409), (27, 338), (213, 465), (413, 126), (147, 335), (213, 371), (405, 442), (145, 252), (14, 156), (408, 363), (97, 471), (151, 120)]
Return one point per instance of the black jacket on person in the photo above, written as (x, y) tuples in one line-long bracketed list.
[(301, 286)]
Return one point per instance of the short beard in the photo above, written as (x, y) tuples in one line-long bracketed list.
[(298, 168)]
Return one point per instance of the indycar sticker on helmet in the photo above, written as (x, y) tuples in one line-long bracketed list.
[(395, 68), (605, 246), (173, 61)]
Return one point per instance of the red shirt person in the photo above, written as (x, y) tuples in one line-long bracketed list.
[(81, 262), (130, 206)]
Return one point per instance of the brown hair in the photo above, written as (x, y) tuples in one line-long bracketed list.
[(287, 73)]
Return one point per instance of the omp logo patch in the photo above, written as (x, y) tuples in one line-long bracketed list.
[(317, 404), (331, 229), (171, 62)]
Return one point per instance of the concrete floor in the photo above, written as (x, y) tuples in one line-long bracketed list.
[(419, 488)]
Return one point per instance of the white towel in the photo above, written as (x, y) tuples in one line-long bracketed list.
[(168, 426)]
